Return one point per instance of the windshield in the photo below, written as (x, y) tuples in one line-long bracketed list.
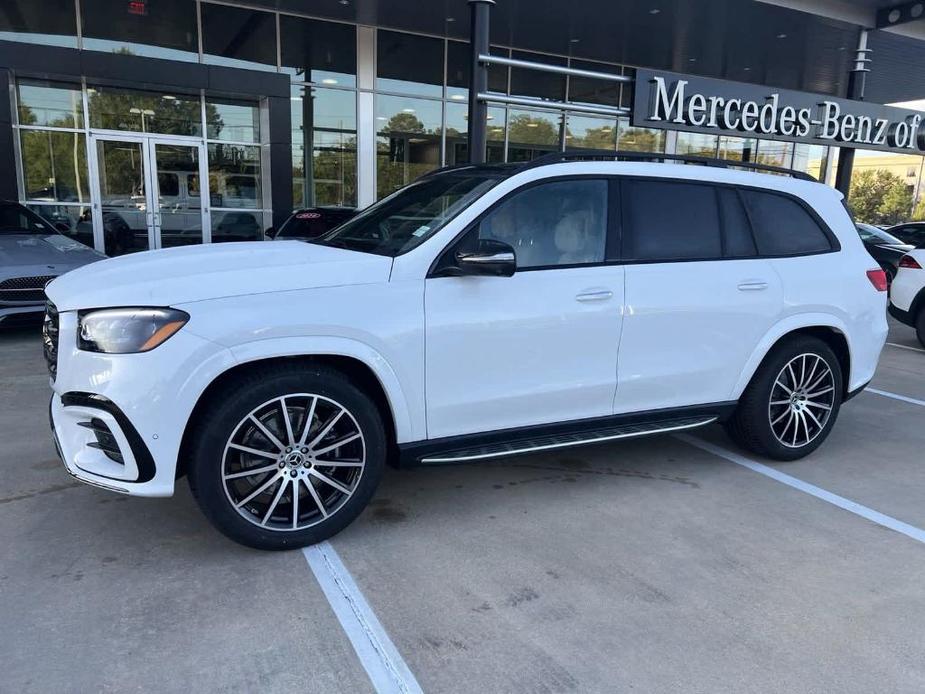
[(872, 234), (16, 219), (411, 215)]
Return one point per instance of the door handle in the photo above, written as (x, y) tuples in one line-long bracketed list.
[(753, 286), (602, 295)]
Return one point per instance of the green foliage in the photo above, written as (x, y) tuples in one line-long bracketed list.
[(879, 197)]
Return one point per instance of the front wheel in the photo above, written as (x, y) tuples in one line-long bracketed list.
[(791, 403), (287, 457)]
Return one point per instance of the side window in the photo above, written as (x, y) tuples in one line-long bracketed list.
[(668, 220), (552, 224), (737, 230), (782, 226)]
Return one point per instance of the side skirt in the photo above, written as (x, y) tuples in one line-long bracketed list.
[(508, 442)]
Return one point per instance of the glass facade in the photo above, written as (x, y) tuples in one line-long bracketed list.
[(139, 155), (416, 118)]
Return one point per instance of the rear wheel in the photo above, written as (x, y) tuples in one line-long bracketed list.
[(920, 326), (791, 404), (287, 457)]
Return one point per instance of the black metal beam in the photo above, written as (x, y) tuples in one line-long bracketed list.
[(901, 13), (478, 109), (857, 80)]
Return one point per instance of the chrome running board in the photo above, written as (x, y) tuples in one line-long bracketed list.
[(546, 443)]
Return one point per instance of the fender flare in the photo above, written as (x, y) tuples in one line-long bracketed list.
[(407, 426), (779, 330)]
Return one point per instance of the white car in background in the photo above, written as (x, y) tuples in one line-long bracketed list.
[(481, 311), (907, 301)]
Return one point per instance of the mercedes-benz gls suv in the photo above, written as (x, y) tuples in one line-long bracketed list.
[(481, 311)]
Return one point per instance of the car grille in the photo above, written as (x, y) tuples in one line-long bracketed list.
[(50, 338), (25, 289)]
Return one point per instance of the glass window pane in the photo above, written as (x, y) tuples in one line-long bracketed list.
[(457, 130), (589, 132), (54, 165), (162, 29), (234, 176), (238, 37), (633, 139), (737, 148), (236, 226), (51, 22), (811, 159), (122, 196), (408, 142), (71, 220), (314, 51), (585, 90), (409, 63), (775, 153), (670, 221), (235, 121), (697, 145), (458, 69), (330, 138), (532, 134), (782, 226), (150, 112), (50, 103), (543, 85), (177, 200), (553, 224)]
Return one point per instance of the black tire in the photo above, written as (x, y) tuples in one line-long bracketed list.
[(228, 414), (751, 424), (920, 326)]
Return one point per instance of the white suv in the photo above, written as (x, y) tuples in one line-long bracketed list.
[(907, 299), (481, 311)]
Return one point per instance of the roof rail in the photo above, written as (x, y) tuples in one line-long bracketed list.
[(618, 155)]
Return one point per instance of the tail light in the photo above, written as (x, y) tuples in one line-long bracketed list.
[(878, 279), (908, 261)]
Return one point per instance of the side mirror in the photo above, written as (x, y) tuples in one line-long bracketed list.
[(493, 258), (270, 233)]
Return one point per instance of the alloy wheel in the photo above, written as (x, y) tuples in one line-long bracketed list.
[(802, 399), (293, 462)]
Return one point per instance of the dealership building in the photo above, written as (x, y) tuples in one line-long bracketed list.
[(136, 124)]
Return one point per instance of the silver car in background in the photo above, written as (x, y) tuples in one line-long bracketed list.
[(32, 252)]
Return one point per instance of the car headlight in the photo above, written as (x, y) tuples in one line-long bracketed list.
[(127, 330)]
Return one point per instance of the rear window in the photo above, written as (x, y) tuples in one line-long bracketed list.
[(667, 220), (782, 226)]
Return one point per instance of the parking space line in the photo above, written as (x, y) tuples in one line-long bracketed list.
[(913, 349), (811, 489), (904, 398), (387, 670)]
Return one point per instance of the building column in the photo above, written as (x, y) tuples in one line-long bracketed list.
[(856, 82), (8, 187), (478, 80), (366, 116)]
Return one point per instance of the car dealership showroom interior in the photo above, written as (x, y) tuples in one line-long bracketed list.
[(556, 346)]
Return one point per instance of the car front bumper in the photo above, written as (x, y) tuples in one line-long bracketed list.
[(118, 420)]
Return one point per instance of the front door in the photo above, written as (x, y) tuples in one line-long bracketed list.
[(538, 347), (150, 192)]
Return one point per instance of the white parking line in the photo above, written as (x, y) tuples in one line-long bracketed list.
[(383, 663), (811, 489), (887, 394), (913, 349)]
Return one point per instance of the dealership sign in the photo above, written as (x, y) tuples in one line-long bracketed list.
[(698, 104)]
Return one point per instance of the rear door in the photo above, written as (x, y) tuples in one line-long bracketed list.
[(538, 347), (698, 299)]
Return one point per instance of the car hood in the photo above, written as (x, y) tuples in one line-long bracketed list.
[(196, 273), (55, 250)]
